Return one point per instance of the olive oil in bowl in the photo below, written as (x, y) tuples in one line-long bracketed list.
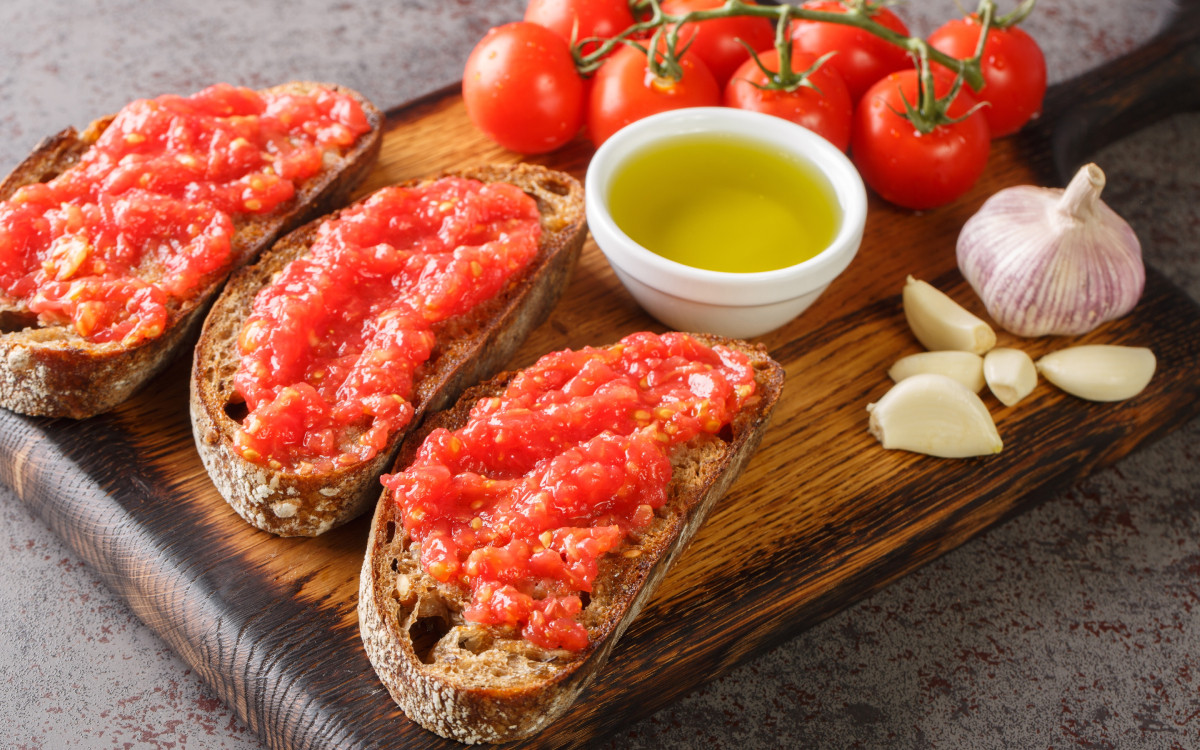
[(724, 203)]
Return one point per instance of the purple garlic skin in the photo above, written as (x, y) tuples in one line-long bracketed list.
[(1046, 261)]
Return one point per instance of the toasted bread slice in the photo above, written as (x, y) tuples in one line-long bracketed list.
[(469, 348), (49, 370), (474, 683)]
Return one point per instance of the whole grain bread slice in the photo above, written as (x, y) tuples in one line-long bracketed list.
[(49, 370), (469, 348), (475, 683)]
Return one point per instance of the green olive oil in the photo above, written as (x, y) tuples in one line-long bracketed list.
[(724, 204)]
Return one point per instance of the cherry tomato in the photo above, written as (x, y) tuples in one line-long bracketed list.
[(913, 169), (625, 90), (521, 88), (825, 109), (1013, 66), (718, 41), (584, 18), (862, 58)]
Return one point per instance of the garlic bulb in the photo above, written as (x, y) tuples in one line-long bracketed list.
[(1052, 262)]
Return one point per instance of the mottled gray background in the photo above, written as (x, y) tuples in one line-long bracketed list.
[(1074, 625)]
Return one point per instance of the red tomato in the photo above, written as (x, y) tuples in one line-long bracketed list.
[(521, 88), (913, 169), (825, 110), (624, 90), (1014, 70), (862, 58), (718, 41), (584, 18)]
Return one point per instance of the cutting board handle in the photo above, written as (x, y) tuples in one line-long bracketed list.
[(1159, 79)]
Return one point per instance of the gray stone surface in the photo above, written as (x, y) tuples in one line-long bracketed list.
[(1073, 625)]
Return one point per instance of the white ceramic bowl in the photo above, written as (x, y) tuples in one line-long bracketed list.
[(739, 305)]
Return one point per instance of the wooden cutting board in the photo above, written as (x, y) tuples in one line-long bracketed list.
[(821, 518)]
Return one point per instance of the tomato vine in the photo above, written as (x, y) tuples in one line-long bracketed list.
[(927, 113)]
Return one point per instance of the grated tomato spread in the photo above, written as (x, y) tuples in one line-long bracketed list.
[(332, 347), (520, 504), (145, 218)]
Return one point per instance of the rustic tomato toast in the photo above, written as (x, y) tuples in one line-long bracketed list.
[(314, 362), (114, 240), (523, 529)]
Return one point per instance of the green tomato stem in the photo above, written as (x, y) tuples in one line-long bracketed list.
[(1019, 14)]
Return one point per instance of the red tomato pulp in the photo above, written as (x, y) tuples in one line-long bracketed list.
[(145, 218), (332, 347), (521, 503)]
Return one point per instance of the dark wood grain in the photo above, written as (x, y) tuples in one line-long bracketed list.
[(822, 517)]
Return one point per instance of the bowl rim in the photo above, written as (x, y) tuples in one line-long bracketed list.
[(733, 288)]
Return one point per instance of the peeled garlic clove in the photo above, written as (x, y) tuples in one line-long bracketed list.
[(1048, 261), (940, 323), (935, 415), (965, 367), (1010, 374), (1100, 372)]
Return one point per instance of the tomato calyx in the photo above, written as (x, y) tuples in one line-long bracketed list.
[(786, 78), (931, 111), (663, 69)]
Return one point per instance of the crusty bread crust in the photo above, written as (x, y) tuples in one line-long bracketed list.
[(51, 371), (469, 348), (474, 683)]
